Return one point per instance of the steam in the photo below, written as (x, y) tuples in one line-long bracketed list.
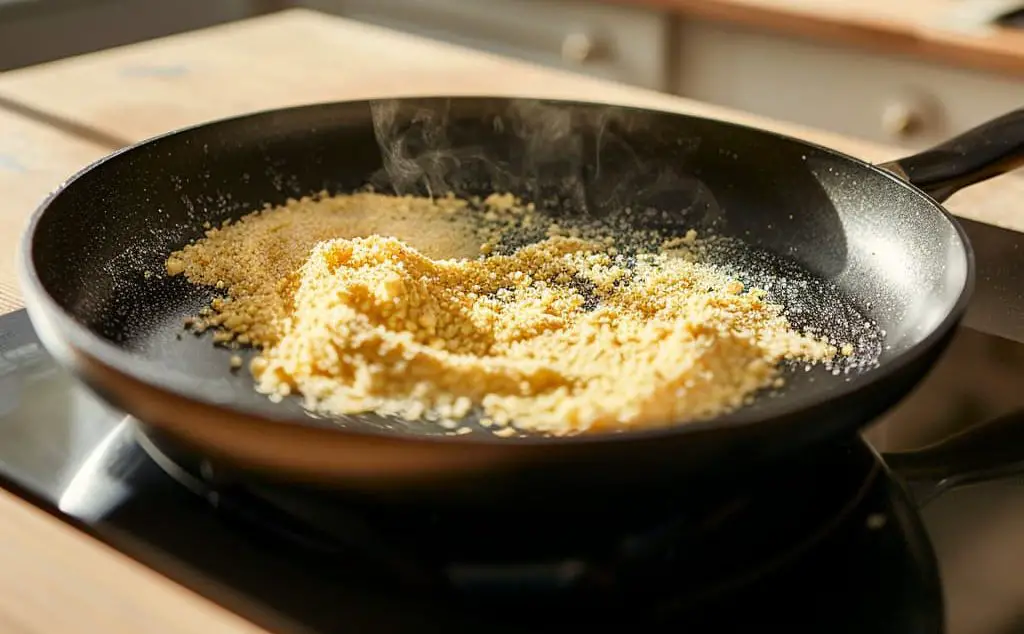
[(619, 166), (587, 159)]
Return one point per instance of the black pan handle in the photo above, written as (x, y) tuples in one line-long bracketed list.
[(988, 150), (992, 450)]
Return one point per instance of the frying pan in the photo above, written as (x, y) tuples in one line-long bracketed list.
[(870, 252)]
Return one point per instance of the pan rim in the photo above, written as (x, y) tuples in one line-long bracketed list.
[(154, 375)]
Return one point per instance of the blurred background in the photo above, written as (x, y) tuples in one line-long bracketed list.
[(896, 90)]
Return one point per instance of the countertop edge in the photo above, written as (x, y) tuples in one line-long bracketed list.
[(90, 586), (1000, 50)]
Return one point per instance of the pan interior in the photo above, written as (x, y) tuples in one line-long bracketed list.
[(845, 248)]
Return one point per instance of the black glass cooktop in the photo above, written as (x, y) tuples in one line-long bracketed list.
[(833, 545)]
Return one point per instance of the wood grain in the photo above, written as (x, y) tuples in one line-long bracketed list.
[(925, 29), (34, 159), (54, 579)]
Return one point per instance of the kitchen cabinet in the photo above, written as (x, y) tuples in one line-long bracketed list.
[(617, 42), (878, 97)]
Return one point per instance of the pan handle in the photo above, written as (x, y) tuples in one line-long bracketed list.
[(992, 450), (991, 149)]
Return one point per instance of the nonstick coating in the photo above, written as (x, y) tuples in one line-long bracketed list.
[(863, 256)]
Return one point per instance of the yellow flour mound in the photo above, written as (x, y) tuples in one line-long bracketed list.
[(373, 303)]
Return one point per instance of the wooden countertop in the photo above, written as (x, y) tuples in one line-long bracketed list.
[(57, 117), (945, 31), (34, 159), (55, 579)]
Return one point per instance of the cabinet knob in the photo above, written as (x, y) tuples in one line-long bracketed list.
[(901, 119), (578, 48)]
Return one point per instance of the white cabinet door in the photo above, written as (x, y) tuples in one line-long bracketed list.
[(625, 44), (874, 96)]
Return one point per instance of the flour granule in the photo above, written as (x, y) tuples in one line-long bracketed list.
[(425, 308)]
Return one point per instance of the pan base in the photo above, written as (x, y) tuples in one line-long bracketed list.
[(833, 528)]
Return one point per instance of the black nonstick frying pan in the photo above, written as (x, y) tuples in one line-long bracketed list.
[(867, 253)]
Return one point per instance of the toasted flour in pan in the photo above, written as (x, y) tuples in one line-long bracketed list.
[(439, 309)]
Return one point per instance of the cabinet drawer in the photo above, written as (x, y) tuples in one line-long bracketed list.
[(882, 98), (620, 43)]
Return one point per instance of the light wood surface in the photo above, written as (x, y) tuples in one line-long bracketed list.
[(34, 159), (54, 579), (946, 31)]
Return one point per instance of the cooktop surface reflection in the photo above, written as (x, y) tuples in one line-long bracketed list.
[(849, 554)]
